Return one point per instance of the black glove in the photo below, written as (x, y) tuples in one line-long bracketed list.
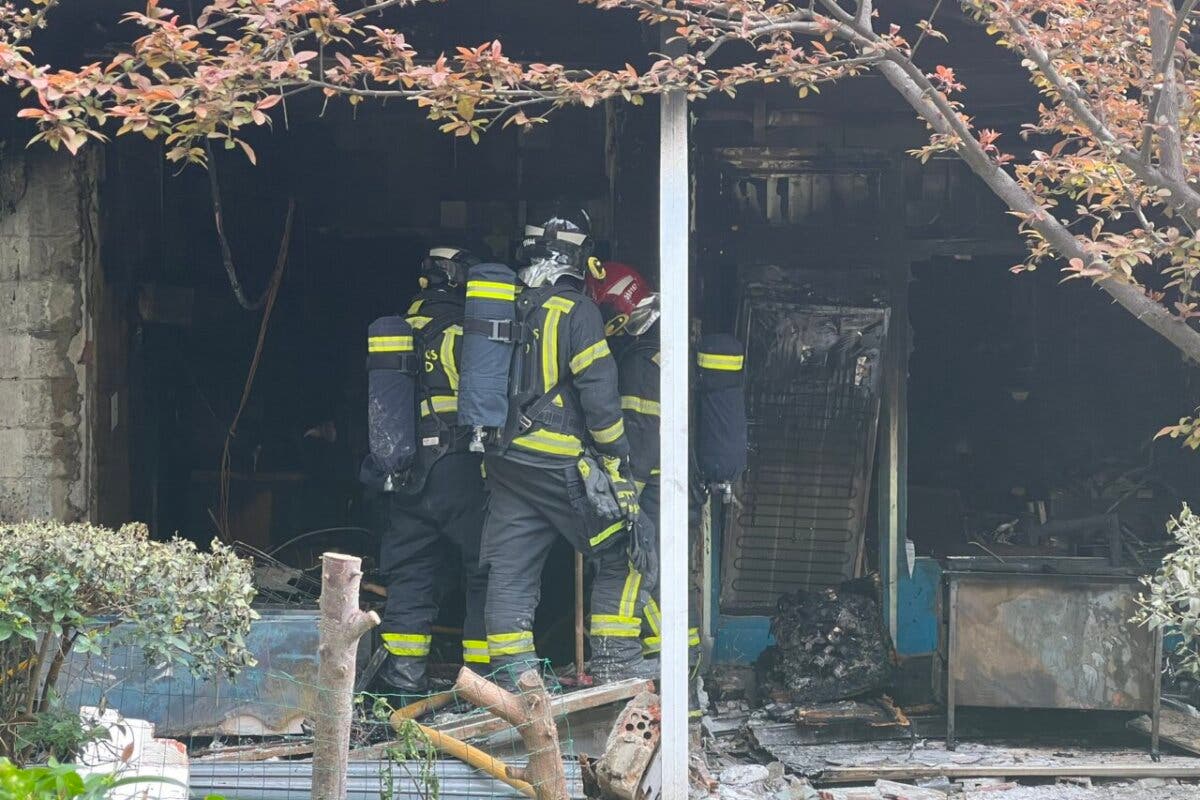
[(599, 489), (643, 551), (623, 487)]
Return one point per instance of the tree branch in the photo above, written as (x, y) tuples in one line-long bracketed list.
[(1183, 196), (925, 31), (1166, 59), (1132, 298), (1164, 108)]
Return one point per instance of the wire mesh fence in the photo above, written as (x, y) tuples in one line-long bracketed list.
[(252, 737)]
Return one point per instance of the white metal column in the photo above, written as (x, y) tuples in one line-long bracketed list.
[(673, 203)]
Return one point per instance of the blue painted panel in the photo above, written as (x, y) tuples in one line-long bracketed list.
[(740, 640), (268, 698), (917, 604)]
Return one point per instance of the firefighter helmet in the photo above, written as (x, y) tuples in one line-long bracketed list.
[(558, 245), (625, 297), (447, 265)]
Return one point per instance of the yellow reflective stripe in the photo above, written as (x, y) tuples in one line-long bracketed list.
[(616, 625), (389, 344), (719, 361), (641, 405), (584, 358), (693, 637), (651, 645), (550, 442), (449, 365), (639, 485), (653, 616), (407, 644), (550, 349), (415, 307), (510, 644), (603, 535), (656, 471), (559, 304), (441, 404), (486, 294), (629, 593), (475, 651), (611, 433), (419, 322), (491, 290)]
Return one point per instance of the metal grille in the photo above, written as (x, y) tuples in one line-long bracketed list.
[(813, 402)]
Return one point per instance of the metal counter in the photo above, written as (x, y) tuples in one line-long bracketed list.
[(1038, 640)]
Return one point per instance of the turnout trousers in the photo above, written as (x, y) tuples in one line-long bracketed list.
[(528, 508), (449, 508), (647, 604)]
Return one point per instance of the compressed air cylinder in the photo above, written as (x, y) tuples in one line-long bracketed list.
[(391, 396), (489, 329), (721, 440)]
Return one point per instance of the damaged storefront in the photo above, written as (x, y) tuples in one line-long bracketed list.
[(926, 572)]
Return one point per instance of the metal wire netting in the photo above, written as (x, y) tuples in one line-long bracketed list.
[(253, 737)]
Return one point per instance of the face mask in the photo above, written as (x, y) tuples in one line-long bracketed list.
[(541, 272), (642, 318)]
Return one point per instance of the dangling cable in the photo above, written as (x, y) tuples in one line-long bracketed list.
[(226, 253), (268, 298)]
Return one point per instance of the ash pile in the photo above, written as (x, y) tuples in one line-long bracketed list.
[(830, 644)]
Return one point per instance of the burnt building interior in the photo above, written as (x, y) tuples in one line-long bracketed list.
[(911, 401)]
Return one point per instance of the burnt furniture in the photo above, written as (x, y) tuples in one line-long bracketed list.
[(1036, 639)]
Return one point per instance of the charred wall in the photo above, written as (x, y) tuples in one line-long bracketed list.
[(49, 259)]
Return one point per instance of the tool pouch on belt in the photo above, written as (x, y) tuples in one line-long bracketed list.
[(602, 525)]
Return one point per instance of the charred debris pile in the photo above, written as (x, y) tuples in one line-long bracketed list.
[(830, 644)]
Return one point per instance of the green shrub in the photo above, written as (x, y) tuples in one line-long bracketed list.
[(1172, 599), (55, 781), (67, 587)]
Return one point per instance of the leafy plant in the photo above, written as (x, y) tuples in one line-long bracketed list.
[(56, 781), (86, 588), (57, 733), (1172, 600), (412, 746)]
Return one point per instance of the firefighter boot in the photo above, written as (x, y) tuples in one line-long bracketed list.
[(401, 681), (617, 658)]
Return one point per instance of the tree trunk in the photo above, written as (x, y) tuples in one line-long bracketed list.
[(530, 713), (342, 624)]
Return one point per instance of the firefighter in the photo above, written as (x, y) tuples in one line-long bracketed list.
[(442, 498), (630, 309), (564, 441)]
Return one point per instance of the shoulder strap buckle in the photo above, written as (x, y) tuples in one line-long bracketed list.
[(496, 330)]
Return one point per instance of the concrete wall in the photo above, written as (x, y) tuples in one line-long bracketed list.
[(48, 257)]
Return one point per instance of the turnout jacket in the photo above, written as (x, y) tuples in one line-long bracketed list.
[(564, 351), (638, 364)]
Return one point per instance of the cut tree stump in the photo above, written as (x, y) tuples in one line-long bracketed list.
[(342, 624), (531, 713)]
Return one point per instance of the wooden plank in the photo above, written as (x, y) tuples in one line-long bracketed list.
[(899, 772), (481, 724), (1176, 727)]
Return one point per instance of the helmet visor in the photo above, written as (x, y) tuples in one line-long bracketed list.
[(642, 318)]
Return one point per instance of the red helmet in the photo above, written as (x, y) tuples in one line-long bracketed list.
[(625, 298)]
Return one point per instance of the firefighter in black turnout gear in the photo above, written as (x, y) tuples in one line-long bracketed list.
[(630, 308), (442, 497), (564, 443)]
